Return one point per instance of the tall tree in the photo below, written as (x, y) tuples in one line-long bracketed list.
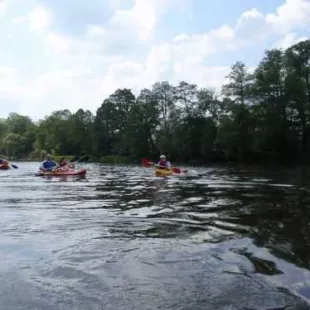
[(238, 89), (298, 86), (110, 123), (164, 94), (270, 95)]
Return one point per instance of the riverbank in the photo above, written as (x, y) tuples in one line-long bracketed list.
[(125, 160)]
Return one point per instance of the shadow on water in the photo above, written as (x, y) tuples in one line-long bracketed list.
[(122, 239)]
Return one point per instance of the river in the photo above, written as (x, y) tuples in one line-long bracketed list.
[(219, 238)]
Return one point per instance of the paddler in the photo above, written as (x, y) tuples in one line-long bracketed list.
[(48, 164), (3, 161), (64, 162), (163, 162), (4, 164)]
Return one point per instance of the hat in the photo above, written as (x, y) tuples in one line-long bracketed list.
[(162, 156)]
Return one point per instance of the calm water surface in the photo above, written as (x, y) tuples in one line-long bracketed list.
[(123, 239)]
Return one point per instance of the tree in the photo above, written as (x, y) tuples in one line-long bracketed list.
[(81, 132), (297, 60), (271, 98), (238, 89), (12, 143), (110, 123), (142, 123)]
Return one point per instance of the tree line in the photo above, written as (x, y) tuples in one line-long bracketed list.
[(261, 116)]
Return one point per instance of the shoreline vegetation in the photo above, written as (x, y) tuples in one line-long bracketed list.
[(107, 159), (259, 118), (126, 161)]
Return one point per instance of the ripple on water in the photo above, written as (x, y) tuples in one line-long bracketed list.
[(124, 239)]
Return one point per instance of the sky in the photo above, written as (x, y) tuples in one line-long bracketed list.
[(71, 54)]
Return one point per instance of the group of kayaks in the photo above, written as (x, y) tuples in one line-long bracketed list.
[(66, 170), (70, 170), (81, 172)]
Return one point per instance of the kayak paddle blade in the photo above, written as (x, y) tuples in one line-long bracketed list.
[(176, 170), (146, 163), (75, 158), (83, 159)]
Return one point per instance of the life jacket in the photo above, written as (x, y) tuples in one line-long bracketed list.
[(165, 164), (47, 164)]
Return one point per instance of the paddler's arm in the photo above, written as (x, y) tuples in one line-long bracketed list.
[(160, 166)]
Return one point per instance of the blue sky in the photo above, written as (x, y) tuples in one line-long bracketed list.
[(72, 54)]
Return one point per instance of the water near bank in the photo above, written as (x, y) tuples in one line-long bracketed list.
[(123, 239)]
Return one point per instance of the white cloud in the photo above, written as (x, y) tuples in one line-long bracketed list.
[(38, 19), (114, 4), (10, 84), (203, 76), (56, 44), (183, 58), (289, 40), (194, 49), (60, 89), (159, 62), (292, 14), (251, 20), (143, 17), (79, 72), (3, 6), (253, 13), (251, 27)]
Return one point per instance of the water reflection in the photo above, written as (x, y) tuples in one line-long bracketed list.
[(120, 231)]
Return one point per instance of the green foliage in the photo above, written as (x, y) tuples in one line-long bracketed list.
[(259, 116), (114, 159)]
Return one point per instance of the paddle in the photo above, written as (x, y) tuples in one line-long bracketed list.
[(83, 159), (75, 158), (147, 163)]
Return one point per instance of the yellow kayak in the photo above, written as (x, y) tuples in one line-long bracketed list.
[(163, 172)]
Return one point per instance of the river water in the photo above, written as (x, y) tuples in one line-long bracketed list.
[(218, 238)]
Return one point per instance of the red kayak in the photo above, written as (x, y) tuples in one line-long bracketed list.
[(62, 172)]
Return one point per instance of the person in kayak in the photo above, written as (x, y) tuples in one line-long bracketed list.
[(4, 164), (3, 161), (64, 162), (163, 163), (48, 164)]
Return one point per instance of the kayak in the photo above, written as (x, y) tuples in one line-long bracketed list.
[(62, 172), (4, 166), (163, 172), (67, 172)]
